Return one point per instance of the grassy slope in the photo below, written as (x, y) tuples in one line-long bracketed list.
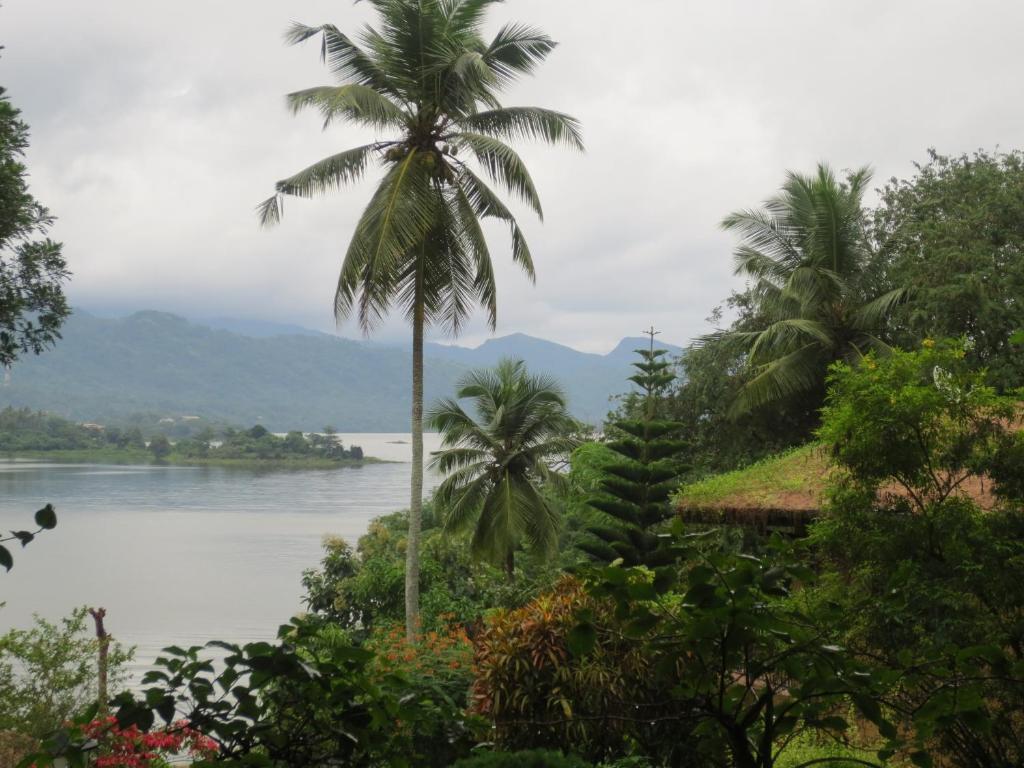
[(792, 480)]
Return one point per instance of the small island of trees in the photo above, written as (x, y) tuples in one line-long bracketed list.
[(32, 434)]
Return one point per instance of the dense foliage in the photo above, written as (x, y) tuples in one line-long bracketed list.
[(310, 699), (751, 667), (534, 758), (924, 552), (47, 674), (32, 271), (955, 234), (363, 590), (539, 691)]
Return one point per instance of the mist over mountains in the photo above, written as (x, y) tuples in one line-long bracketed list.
[(285, 377)]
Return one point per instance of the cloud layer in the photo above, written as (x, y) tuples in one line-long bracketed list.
[(156, 129)]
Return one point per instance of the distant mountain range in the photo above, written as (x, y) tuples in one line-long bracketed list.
[(285, 377)]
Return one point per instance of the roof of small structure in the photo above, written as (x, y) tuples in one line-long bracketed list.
[(781, 492)]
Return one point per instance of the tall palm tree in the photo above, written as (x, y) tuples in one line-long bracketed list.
[(496, 462), (426, 79), (803, 254)]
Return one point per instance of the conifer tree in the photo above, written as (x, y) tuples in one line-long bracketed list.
[(636, 489)]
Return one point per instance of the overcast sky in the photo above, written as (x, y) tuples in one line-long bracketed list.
[(158, 126)]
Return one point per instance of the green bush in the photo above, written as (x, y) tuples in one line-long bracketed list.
[(364, 589), (48, 673), (535, 758), (927, 580)]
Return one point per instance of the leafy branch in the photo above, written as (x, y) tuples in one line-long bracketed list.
[(45, 518)]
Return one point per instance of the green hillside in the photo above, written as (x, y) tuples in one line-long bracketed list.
[(106, 370)]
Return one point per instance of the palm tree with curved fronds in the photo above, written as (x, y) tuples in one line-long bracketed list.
[(496, 463), (803, 254), (427, 82)]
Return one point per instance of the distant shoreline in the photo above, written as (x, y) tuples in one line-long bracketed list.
[(126, 457)]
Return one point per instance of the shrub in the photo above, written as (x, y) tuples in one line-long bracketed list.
[(309, 699), (539, 694), (437, 670), (365, 589), (535, 758), (48, 674)]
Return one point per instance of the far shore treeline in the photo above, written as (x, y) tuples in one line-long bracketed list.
[(34, 434)]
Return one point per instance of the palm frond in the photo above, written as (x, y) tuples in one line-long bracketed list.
[(343, 57), (873, 314), (476, 245), (526, 122), (327, 175), (799, 371), (503, 165), (517, 50), (390, 232), (357, 103), (489, 205), (782, 336)]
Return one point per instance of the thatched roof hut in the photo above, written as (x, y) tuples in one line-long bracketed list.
[(782, 493)]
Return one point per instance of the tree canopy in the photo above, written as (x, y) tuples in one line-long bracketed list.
[(32, 267), (955, 233)]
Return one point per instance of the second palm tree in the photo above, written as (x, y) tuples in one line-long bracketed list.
[(497, 463)]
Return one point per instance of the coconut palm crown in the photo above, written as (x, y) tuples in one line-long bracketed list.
[(803, 254), (427, 82), (496, 462), (426, 78)]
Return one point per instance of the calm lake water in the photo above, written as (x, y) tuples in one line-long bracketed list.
[(183, 555)]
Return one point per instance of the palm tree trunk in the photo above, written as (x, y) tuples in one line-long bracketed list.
[(510, 564), (412, 550)]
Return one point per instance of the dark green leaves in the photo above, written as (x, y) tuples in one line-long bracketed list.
[(582, 638), (23, 536), (46, 518)]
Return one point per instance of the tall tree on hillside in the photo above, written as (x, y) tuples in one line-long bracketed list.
[(427, 78), (495, 464), (32, 269), (804, 253)]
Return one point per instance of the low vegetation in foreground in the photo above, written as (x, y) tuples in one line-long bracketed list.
[(638, 639)]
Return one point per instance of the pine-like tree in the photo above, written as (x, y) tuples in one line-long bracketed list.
[(636, 489)]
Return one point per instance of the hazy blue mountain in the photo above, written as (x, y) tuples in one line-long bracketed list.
[(259, 329), (286, 377)]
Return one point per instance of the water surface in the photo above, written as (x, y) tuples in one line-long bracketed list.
[(182, 555)]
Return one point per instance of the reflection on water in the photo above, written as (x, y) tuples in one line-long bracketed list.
[(182, 555)]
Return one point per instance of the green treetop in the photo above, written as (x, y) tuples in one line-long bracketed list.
[(637, 485)]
